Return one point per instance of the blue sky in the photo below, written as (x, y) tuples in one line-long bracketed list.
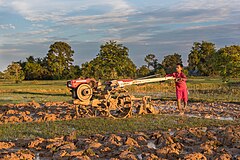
[(29, 27)]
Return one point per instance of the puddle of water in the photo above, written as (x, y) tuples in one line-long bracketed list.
[(164, 107), (151, 145), (139, 156), (172, 133), (32, 114), (134, 110), (211, 117), (226, 118), (13, 149), (204, 129), (193, 115), (37, 156)]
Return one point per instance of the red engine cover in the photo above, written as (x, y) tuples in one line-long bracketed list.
[(75, 83)]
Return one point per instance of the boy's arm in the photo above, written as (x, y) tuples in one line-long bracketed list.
[(170, 75), (183, 77)]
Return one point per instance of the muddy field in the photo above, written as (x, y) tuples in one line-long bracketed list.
[(51, 111), (193, 143), (190, 143)]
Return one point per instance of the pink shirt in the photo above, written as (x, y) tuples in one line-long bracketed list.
[(180, 85)]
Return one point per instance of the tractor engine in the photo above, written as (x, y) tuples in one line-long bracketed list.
[(82, 89)]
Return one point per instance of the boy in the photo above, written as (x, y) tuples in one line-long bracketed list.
[(181, 87)]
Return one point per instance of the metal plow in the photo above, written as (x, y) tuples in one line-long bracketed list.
[(92, 99)]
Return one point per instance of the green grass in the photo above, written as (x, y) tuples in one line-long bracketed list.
[(89, 126), (39, 91), (200, 89)]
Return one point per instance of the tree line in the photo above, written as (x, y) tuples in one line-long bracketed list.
[(113, 62)]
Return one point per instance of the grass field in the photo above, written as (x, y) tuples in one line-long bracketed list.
[(90, 126), (39, 91), (200, 89)]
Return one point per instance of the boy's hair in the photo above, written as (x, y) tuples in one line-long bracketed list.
[(180, 64)]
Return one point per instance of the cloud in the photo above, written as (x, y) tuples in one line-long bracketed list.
[(38, 10), (3, 3), (42, 32), (118, 11), (143, 27), (207, 4), (214, 10), (221, 35), (28, 37), (94, 19), (60, 10), (179, 23), (9, 51), (169, 16), (140, 38), (7, 26)]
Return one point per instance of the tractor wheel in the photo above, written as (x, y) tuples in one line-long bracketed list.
[(84, 92), (120, 106), (86, 111)]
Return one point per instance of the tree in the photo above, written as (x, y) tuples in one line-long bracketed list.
[(45, 72), (169, 62), (143, 71), (75, 72), (59, 60), (227, 62), (31, 68), (14, 72), (160, 71), (151, 60), (1, 75), (112, 62), (153, 66), (200, 56), (88, 70)]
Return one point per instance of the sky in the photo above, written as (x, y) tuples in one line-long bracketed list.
[(160, 27)]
